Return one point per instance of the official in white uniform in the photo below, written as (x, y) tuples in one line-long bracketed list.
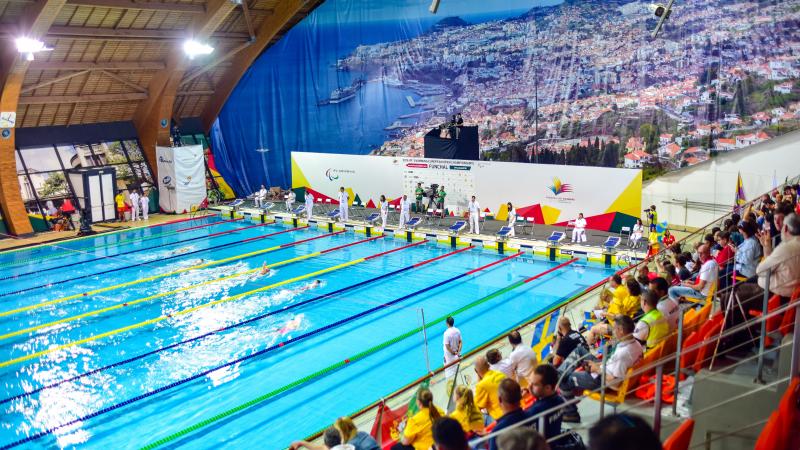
[(384, 211), (405, 211), (579, 232), (290, 198), (343, 198), (512, 219), (260, 196), (134, 205), (452, 346), (474, 215), (309, 205), (144, 202)]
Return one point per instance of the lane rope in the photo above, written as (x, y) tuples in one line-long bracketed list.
[(137, 250), (148, 298), (281, 310), (229, 244), (186, 311), (333, 367), (257, 353)]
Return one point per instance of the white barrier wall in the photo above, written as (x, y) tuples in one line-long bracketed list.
[(549, 193), (714, 182)]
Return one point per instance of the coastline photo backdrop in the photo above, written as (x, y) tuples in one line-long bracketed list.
[(577, 82)]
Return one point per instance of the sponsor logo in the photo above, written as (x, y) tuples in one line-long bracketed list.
[(333, 174), (164, 160), (167, 180), (329, 175), (560, 188), (188, 180), (417, 166)]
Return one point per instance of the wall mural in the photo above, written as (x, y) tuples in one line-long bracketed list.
[(361, 77)]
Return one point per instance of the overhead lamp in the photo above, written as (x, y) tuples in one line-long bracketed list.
[(194, 48), (29, 47), (434, 8)]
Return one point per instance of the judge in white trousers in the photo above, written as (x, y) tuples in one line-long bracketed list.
[(290, 200), (134, 205), (309, 205), (343, 198), (384, 212), (474, 210), (260, 196), (144, 203), (512, 219), (405, 211), (579, 232)]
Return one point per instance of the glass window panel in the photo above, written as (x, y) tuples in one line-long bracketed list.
[(142, 172), (112, 150), (134, 151), (40, 159), (25, 187), (46, 184), (69, 156), (20, 168), (85, 157)]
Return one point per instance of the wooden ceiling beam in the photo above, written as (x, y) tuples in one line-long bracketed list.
[(92, 98), (34, 23), (53, 81), (153, 116), (110, 34), (141, 5), (270, 27), (91, 65)]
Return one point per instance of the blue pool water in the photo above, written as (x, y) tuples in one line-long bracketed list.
[(48, 356)]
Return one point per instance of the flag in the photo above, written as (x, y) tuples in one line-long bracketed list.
[(741, 199), (389, 424)]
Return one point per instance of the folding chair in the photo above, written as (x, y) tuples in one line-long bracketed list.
[(357, 211), (527, 222), (569, 228), (328, 206), (625, 233)]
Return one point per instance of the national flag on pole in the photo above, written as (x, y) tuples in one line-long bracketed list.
[(741, 199), (389, 424)]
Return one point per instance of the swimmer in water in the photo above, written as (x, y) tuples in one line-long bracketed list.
[(291, 325), (180, 251), (313, 285), (264, 269)]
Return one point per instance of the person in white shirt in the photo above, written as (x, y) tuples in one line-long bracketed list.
[(134, 205), (512, 219), (343, 198), (500, 364), (709, 273), (522, 357), (260, 196), (474, 210), (290, 198), (384, 205), (637, 232), (784, 261), (579, 232), (452, 346), (405, 211), (144, 203), (309, 204)]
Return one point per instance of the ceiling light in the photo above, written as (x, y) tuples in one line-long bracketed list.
[(194, 48), (30, 46)]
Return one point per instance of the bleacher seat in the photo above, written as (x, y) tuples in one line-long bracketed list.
[(681, 437)]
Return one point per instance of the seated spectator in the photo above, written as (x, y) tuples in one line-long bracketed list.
[(724, 258), (509, 394), (466, 413), (486, 389), (330, 438), (629, 307), (680, 264), (705, 280), (350, 435), (675, 249), (500, 364), (627, 352), (652, 328), (616, 289), (522, 357), (544, 383), (569, 345), (691, 264), (522, 438), (671, 275), (669, 308), (730, 226), (748, 253), (668, 240), (623, 432), (448, 435), (783, 261), (418, 433)]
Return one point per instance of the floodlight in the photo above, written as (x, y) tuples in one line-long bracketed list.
[(434, 6), (194, 48), (29, 47)]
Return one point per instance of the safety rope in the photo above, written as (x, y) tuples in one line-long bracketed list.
[(200, 266), (192, 309), (281, 310)]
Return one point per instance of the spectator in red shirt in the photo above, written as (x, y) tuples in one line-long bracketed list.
[(724, 258), (668, 239)]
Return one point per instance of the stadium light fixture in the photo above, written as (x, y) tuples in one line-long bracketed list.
[(434, 6), (29, 47), (193, 48)]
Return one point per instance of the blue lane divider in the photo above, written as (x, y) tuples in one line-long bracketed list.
[(53, 283), (248, 357)]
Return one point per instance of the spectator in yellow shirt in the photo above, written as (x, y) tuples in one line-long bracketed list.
[(418, 433), (486, 389), (120, 201), (625, 301), (466, 413)]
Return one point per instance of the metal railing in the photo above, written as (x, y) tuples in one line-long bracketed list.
[(573, 308)]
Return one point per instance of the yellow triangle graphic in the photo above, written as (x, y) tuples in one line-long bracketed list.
[(502, 213), (550, 214), (630, 201), (298, 178)]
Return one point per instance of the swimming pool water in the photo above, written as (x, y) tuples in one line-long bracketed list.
[(151, 264)]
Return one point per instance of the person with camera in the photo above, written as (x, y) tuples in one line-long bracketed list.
[(419, 194)]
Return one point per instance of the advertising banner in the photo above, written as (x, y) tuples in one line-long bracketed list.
[(608, 198), (181, 180)]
